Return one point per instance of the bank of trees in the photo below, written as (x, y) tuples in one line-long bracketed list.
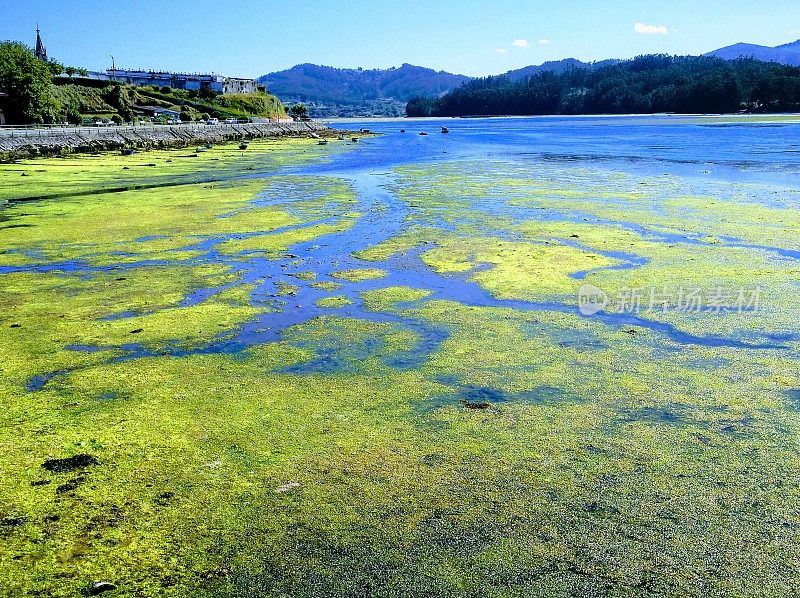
[(25, 81), (646, 84)]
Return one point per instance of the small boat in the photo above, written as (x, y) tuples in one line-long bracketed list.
[(354, 139), (422, 133), (402, 130), (242, 146), (323, 142), (445, 130), (209, 146), (128, 151), (202, 148)]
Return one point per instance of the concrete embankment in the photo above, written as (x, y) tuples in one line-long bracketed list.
[(16, 144)]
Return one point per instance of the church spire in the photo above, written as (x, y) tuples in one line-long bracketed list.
[(41, 51)]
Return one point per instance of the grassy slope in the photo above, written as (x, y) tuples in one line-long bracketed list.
[(91, 100)]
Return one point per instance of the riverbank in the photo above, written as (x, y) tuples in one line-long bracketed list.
[(17, 144)]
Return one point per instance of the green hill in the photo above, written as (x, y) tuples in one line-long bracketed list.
[(330, 91), (77, 98), (646, 84)]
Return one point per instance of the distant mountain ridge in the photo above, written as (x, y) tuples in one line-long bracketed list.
[(350, 92), (784, 54), (330, 91)]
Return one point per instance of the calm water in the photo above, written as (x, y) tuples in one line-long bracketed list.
[(649, 144)]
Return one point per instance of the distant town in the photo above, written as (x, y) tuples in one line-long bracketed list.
[(73, 95)]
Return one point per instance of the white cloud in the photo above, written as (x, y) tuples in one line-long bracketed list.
[(650, 29), (520, 43), (544, 42), (501, 50)]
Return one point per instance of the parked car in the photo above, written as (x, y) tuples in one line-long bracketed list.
[(230, 121), (213, 121)]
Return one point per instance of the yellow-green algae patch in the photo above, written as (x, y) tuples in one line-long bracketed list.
[(359, 274), (144, 223), (281, 241), (244, 471), (516, 270), (43, 314), (336, 301), (45, 177), (387, 298), (429, 448)]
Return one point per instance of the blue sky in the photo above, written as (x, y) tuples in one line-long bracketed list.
[(252, 37)]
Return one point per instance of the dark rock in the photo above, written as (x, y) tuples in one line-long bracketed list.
[(70, 485), (164, 497), (40, 482), (70, 463), (13, 521), (51, 518), (98, 587)]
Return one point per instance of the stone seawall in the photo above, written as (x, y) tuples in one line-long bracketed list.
[(16, 144)]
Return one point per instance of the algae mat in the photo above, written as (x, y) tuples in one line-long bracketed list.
[(463, 365)]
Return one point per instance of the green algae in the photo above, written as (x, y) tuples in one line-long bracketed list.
[(281, 241), (77, 174), (335, 301), (286, 290), (342, 459), (387, 298), (359, 274)]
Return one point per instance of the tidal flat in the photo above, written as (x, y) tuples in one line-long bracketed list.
[(365, 369)]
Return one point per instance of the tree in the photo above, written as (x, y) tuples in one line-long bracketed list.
[(73, 115), (206, 93), (299, 110), (26, 81), (56, 68), (71, 71)]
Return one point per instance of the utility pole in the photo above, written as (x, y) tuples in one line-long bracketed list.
[(113, 66)]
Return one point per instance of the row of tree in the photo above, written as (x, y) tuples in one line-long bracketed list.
[(643, 85)]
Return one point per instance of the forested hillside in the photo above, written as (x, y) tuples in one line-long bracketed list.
[(329, 91), (646, 84)]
